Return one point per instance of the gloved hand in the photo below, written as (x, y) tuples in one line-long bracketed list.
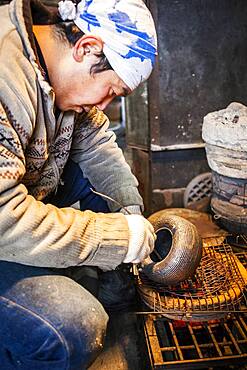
[(142, 239)]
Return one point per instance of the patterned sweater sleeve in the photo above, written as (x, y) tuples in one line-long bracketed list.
[(102, 161), (39, 234)]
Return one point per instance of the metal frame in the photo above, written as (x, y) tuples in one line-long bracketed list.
[(181, 345)]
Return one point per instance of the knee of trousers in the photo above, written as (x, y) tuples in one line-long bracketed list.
[(59, 321), (84, 326)]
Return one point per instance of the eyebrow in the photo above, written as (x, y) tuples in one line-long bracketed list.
[(125, 92)]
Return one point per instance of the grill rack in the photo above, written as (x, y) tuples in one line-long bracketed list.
[(182, 345), (217, 288), (216, 342)]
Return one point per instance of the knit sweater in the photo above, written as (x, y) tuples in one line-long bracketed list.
[(34, 148)]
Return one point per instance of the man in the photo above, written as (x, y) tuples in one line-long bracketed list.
[(55, 80)]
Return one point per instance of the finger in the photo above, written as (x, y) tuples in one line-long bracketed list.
[(151, 244), (149, 226), (151, 241), (145, 251)]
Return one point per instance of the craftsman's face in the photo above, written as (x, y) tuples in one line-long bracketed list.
[(76, 88), (82, 92)]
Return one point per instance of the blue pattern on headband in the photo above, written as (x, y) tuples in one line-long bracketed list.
[(89, 18), (143, 48), (137, 50)]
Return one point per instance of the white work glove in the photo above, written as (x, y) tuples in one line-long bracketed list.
[(141, 240)]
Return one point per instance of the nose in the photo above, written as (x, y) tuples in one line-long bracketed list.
[(104, 103)]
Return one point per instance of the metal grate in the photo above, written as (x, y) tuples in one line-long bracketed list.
[(242, 256), (199, 188), (182, 345), (218, 287)]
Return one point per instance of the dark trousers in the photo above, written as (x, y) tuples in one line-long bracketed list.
[(47, 320)]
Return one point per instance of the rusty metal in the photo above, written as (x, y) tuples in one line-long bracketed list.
[(217, 288), (181, 345)]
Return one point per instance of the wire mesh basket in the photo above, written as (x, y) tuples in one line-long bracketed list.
[(217, 287)]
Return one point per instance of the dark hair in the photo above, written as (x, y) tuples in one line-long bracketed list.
[(69, 32), (42, 13)]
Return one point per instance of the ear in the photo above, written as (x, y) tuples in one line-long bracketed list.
[(87, 44)]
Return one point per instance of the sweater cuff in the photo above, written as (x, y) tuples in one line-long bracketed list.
[(113, 234), (127, 196), (131, 210)]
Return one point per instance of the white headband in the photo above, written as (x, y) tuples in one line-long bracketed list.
[(127, 29)]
